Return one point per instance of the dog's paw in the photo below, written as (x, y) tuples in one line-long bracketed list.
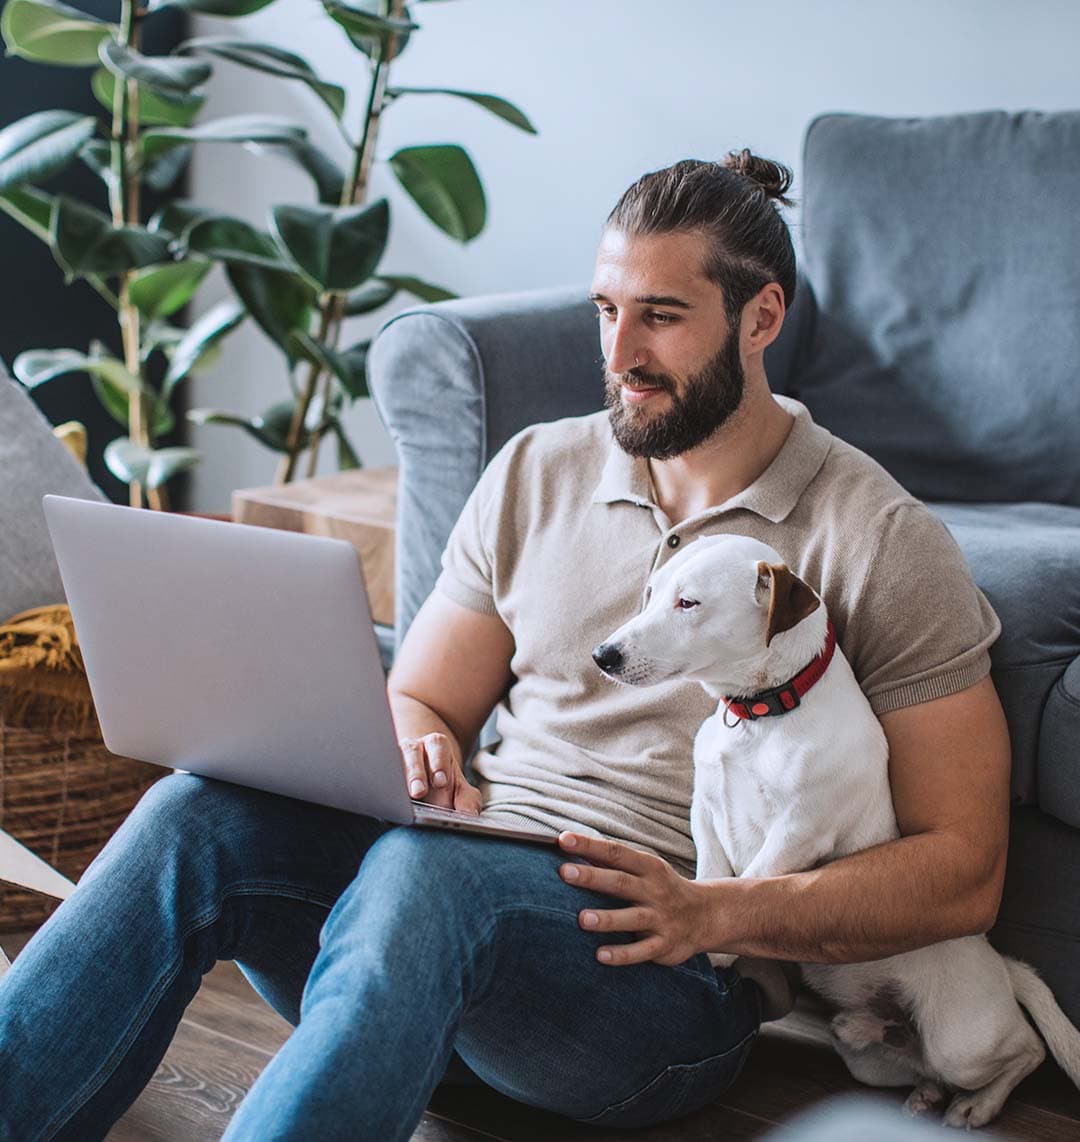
[(928, 1095), (971, 1110)]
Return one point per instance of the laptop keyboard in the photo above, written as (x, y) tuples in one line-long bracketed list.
[(442, 811)]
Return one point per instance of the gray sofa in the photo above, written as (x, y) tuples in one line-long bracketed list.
[(936, 328)]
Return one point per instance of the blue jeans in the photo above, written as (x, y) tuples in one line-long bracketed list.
[(402, 956)]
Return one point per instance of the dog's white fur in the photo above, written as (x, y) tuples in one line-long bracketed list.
[(786, 793)]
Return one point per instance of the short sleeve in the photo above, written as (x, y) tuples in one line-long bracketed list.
[(468, 561), (917, 626)]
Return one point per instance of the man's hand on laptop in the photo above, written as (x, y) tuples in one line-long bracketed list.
[(435, 775)]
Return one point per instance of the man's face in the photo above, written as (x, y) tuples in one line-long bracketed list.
[(673, 373)]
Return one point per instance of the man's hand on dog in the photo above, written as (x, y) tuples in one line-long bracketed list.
[(668, 909), (434, 773)]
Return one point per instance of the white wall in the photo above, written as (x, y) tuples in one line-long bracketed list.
[(615, 87)]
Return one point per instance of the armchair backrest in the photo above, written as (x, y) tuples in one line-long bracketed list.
[(944, 255)]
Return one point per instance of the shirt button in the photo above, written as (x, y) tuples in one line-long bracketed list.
[(673, 541)]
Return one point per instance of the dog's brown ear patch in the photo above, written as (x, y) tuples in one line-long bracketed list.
[(790, 599)]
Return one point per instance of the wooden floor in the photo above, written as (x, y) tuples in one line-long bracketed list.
[(228, 1035)]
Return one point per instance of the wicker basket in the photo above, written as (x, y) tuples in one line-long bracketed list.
[(62, 793)]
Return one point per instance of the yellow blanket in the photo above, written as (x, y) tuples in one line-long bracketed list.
[(42, 679)]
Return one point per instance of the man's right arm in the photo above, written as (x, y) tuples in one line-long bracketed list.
[(451, 669)]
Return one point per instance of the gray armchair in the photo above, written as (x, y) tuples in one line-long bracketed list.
[(936, 329)]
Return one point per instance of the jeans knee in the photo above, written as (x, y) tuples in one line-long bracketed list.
[(412, 879), (178, 818)]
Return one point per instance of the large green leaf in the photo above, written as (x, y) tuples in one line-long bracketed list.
[(379, 290), (231, 129), (279, 300), (270, 428), (30, 208), (328, 177), (211, 7), (443, 182), (493, 103), (336, 248), (155, 109), (191, 351), (50, 32), (176, 217), (159, 291), (371, 295), (371, 31), (349, 366), (33, 148), (131, 463), (166, 74), (36, 366), (114, 385), (270, 59), (425, 291), (96, 154), (162, 173), (33, 209), (231, 240), (85, 242)]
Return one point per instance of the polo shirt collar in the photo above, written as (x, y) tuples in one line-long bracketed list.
[(772, 495)]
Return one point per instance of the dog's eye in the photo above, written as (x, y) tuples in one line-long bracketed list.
[(685, 604)]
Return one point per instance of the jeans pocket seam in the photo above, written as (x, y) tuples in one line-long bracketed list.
[(674, 1105)]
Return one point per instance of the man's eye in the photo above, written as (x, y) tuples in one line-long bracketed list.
[(685, 604), (606, 311), (664, 318)]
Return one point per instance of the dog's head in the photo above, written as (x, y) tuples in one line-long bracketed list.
[(714, 614)]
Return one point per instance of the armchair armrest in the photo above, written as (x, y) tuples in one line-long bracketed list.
[(452, 383)]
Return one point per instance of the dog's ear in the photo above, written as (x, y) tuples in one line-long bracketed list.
[(790, 599)]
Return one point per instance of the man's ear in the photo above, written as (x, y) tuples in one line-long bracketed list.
[(790, 599)]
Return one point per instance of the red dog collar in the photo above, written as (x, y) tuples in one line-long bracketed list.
[(783, 699)]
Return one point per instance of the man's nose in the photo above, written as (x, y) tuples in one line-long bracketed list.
[(609, 658), (624, 350)]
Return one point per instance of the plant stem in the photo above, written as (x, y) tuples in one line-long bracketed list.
[(333, 305), (124, 202)]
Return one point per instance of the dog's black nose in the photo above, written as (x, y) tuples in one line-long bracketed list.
[(608, 658)]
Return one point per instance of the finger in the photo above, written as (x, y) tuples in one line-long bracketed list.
[(639, 952), (467, 797), (618, 919), (612, 881), (441, 759), (442, 763), (600, 850), (412, 753)]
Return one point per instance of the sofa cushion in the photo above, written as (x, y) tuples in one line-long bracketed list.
[(1026, 560), (1059, 759), (32, 463), (942, 255)]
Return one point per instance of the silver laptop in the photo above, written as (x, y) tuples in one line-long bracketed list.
[(241, 653)]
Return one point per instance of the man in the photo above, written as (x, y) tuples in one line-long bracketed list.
[(574, 980)]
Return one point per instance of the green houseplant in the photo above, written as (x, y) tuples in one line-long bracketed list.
[(298, 277)]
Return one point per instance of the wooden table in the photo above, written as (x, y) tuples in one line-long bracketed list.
[(358, 505)]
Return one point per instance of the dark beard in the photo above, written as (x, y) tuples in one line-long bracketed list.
[(711, 396)]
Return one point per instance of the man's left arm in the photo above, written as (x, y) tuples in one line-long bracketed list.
[(949, 766)]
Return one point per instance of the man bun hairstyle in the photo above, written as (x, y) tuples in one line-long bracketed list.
[(734, 205), (774, 178)]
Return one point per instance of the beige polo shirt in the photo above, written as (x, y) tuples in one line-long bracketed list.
[(559, 537)]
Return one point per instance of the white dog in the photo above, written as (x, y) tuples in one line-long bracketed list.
[(780, 794)]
